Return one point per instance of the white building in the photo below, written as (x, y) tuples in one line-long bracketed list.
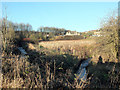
[(72, 33)]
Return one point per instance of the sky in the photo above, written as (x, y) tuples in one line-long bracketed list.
[(75, 16)]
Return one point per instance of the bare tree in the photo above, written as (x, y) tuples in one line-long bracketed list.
[(4, 32), (110, 28), (8, 33)]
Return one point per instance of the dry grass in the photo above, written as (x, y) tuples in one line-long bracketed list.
[(38, 71), (30, 46), (80, 48), (67, 43), (52, 65)]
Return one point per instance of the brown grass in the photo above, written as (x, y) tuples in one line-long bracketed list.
[(53, 66), (37, 72), (94, 47), (80, 48), (67, 43)]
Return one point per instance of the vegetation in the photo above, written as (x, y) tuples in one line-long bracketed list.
[(73, 37), (8, 35), (53, 64), (110, 27), (108, 43), (40, 70)]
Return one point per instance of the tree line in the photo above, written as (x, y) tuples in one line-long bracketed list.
[(14, 32)]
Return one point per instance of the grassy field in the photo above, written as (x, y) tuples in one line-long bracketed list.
[(80, 48), (68, 43)]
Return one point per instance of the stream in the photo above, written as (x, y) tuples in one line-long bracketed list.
[(23, 52), (81, 73)]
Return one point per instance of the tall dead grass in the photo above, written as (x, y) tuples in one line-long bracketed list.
[(19, 72)]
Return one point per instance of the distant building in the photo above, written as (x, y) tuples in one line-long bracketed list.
[(98, 34), (72, 33)]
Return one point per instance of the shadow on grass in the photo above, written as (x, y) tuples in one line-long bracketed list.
[(104, 75)]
